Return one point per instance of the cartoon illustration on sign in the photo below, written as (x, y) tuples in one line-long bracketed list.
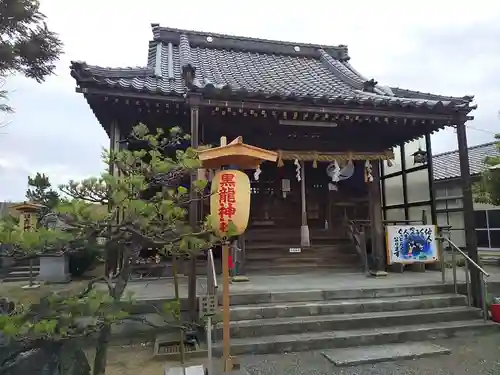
[(411, 244)]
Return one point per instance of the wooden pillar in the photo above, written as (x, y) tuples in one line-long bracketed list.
[(304, 228), (468, 210), (112, 256), (377, 226), (430, 170), (193, 214)]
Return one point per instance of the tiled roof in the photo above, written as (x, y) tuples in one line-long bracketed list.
[(447, 165), (181, 60)]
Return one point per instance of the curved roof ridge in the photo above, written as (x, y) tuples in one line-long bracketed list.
[(332, 65), (421, 95), (83, 69), (378, 88), (390, 97)]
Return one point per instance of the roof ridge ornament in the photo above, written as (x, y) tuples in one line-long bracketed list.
[(369, 86), (343, 53)]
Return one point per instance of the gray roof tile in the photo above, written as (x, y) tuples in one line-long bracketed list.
[(447, 165), (252, 67)]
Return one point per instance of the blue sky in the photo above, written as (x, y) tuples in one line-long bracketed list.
[(433, 46)]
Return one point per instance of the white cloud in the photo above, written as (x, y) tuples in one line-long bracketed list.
[(435, 46)]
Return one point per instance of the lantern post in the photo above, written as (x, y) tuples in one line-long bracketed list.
[(230, 207)]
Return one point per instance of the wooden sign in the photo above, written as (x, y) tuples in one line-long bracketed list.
[(411, 244), (230, 202)]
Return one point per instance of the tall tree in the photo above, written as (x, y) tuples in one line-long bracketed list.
[(27, 45), (487, 189)]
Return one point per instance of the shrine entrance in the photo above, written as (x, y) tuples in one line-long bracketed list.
[(275, 198)]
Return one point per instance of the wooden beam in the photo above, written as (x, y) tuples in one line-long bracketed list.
[(324, 109), (250, 104)]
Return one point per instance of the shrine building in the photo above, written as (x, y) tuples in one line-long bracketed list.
[(350, 149)]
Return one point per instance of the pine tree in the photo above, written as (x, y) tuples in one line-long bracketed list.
[(145, 205), (40, 191), (27, 45)]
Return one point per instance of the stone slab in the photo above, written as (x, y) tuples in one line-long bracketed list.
[(188, 370), (383, 353)]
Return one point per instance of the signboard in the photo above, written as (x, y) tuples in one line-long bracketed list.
[(230, 202), (411, 244)]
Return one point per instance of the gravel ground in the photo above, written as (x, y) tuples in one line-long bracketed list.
[(474, 355)]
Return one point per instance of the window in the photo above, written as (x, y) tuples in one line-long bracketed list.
[(417, 185), (494, 219), (482, 238), (418, 213), (395, 214), (393, 190), (488, 228), (480, 219)]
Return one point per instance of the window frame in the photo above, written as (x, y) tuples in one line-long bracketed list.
[(488, 229)]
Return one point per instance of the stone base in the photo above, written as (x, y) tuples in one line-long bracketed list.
[(33, 286), (378, 273), (417, 267), (305, 239), (240, 279), (396, 268), (54, 269)]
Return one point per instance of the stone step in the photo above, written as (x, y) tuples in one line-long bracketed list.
[(319, 323), (24, 272), (24, 268), (383, 353), (274, 251), (359, 337), (300, 269), (269, 262), (353, 306), (312, 295), (291, 236)]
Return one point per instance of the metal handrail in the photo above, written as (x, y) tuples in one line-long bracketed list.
[(211, 274), (483, 274), (465, 256)]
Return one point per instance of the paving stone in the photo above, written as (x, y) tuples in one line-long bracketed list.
[(383, 353)]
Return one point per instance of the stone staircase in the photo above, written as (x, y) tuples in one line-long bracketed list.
[(309, 320), (20, 271), (268, 250)]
